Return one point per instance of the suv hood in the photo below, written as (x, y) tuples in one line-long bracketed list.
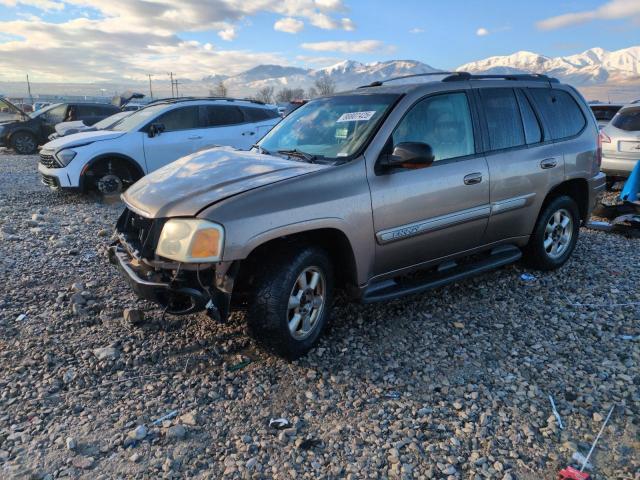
[(63, 127), (192, 183), (81, 138)]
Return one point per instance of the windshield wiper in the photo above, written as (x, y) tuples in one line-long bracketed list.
[(261, 149), (300, 154)]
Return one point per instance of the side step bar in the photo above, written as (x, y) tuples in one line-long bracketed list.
[(445, 274)]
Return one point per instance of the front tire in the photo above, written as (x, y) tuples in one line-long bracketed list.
[(24, 143), (291, 301), (555, 234)]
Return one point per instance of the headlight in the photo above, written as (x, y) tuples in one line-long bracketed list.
[(191, 240), (65, 156)]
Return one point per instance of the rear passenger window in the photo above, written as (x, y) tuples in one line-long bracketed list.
[(532, 131), (443, 122), (503, 118), (221, 115), (259, 114), (560, 111)]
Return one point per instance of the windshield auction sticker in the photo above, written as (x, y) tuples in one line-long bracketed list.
[(356, 117)]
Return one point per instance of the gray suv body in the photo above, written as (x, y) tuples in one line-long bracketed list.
[(382, 191)]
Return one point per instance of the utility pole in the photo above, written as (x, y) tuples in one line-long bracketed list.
[(177, 93), (172, 91), (150, 89), (29, 89)]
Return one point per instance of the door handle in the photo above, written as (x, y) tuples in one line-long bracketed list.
[(194, 137), (249, 133), (473, 178), (548, 163)]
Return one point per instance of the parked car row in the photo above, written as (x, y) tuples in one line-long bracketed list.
[(112, 159), (24, 132)]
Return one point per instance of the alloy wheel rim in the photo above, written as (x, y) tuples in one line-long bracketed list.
[(24, 143), (306, 302), (558, 234)]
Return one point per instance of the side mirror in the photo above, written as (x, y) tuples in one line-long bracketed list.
[(155, 129), (408, 155)]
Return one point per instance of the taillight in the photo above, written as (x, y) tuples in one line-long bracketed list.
[(602, 138)]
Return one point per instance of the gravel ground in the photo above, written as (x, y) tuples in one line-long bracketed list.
[(452, 384)]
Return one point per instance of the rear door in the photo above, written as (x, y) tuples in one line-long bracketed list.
[(225, 125), (182, 136), (525, 157), (424, 214)]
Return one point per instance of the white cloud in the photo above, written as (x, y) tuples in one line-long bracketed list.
[(289, 25), (46, 5), (362, 46), (227, 34), (347, 24), (129, 38), (482, 32), (612, 10), (416, 30), (84, 50)]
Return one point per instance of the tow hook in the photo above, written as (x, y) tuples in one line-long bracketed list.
[(213, 312)]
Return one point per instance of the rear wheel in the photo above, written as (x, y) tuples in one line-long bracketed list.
[(555, 234), (291, 301), (24, 143)]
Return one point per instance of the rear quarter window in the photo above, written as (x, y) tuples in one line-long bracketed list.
[(560, 112), (628, 120)]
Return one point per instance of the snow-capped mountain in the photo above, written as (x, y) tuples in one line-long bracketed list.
[(594, 66), (347, 74)]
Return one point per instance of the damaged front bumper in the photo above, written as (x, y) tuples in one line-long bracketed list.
[(178, 288)]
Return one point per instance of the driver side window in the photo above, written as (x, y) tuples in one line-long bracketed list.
[(443, 122)]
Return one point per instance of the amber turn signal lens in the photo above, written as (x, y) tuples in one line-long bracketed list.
[(205, 243)]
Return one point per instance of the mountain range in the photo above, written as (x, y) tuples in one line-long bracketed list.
[(598, 73)]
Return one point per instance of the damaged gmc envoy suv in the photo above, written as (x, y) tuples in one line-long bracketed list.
[(383, 191)]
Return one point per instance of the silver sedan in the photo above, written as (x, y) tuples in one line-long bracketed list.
[(621, 143)]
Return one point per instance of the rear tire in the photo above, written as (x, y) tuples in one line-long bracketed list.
[(555, 234), (291, 301), (24, 143)]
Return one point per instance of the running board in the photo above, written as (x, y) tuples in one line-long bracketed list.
[(446, 273)]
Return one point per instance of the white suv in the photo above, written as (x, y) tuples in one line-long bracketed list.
[(111, 160)]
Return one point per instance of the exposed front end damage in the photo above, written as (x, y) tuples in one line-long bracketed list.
[(179, 288)]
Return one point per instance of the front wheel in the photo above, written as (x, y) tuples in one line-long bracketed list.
[(24, 143), (291, 301), (555, 234)]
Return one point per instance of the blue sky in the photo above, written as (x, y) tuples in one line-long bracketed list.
[(107, 39)]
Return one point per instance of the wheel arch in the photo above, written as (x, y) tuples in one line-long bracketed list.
[(333, 240), (130, 162), (576, 188)]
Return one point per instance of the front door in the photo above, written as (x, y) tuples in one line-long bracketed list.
[(182, 136), (424, 214)]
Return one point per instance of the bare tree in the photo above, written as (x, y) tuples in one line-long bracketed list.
[(288, 94), (312, 92), (265, 94), (220, 90), (284, 95), (325, 85)]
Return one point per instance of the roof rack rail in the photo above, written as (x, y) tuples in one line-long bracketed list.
[(379, 83), (531, 77), (186, 99)]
